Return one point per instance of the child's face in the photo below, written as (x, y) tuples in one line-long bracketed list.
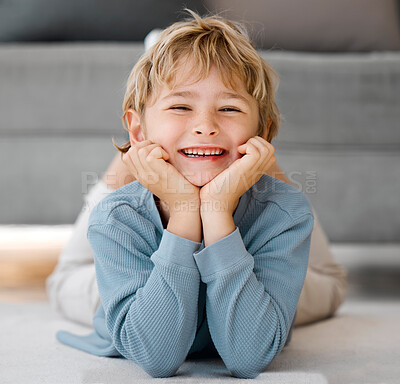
[(201, 116)]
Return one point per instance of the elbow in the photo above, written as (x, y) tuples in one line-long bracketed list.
[(249, 362), (156, 361), (157, 369), (247, 369)]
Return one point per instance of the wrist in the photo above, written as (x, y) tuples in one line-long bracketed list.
[(184, 207), (217, 208), (186, 223), (216, 225)]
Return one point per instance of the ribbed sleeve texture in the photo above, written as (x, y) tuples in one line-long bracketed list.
[(154, 310)]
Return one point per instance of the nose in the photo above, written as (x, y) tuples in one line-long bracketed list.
[(206, 126)]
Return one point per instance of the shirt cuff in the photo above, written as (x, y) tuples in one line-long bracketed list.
[(222, 255), (176, 250)]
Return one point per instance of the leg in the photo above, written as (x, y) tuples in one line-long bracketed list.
[(325, 284), (72, 287)]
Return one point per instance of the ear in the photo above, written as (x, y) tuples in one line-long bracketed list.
[(134, 126)]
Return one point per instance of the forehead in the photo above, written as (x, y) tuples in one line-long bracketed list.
[(187, 73)]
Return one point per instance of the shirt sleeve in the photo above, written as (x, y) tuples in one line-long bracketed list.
[(252, 295), (149, 298)]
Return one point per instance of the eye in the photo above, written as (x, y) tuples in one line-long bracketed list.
[(230, 109), (180, 108)]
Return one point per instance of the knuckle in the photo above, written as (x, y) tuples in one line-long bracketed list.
[(141, 151), (253, 140)]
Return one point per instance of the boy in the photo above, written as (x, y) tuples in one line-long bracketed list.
[(204, 252)]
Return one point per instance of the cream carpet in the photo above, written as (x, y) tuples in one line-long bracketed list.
[(360, 345)]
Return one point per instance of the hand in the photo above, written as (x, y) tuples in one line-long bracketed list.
[(148, 163), (222, 193)]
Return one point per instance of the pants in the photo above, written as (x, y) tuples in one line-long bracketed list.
[(325, 284)]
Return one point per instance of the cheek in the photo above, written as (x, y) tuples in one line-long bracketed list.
[(165, 140)]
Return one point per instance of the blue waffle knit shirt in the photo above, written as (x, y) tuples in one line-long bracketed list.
[(164, 297)]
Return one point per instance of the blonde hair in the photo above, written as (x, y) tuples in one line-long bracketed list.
[(209, 40)]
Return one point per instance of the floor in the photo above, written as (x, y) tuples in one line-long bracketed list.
[(28, 254)]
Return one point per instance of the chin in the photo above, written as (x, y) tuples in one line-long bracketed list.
[(201, 179)]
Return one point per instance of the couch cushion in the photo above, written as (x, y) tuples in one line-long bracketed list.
[(64, 88), (338, 99), (317, 25), (47, 175), (355, 192)]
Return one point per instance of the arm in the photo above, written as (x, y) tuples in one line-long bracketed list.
[(250, 294), (151, 313), (252, 297), (325, 284)]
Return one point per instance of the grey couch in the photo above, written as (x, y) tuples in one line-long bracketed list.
[(60, 105)]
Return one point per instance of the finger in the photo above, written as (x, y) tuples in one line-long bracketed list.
[(250, 161), (132, 152), (140, 154), (265, 143), (141, 144), (257, 161), (248, 148), (144, 151), (129, 163), (157, 153), (141, 148), (138, 157), (242, 148), (255, 149), (269, 154), (266, 149), (156, 161)]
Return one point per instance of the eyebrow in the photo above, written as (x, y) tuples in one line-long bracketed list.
[(233, 95), (180, 94), (226, 95)]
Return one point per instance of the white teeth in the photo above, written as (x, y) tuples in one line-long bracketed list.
[(201, 152)]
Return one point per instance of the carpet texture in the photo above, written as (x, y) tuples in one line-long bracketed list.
[(360, 345)]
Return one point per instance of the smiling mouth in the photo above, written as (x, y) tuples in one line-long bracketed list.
[(203, 153)]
